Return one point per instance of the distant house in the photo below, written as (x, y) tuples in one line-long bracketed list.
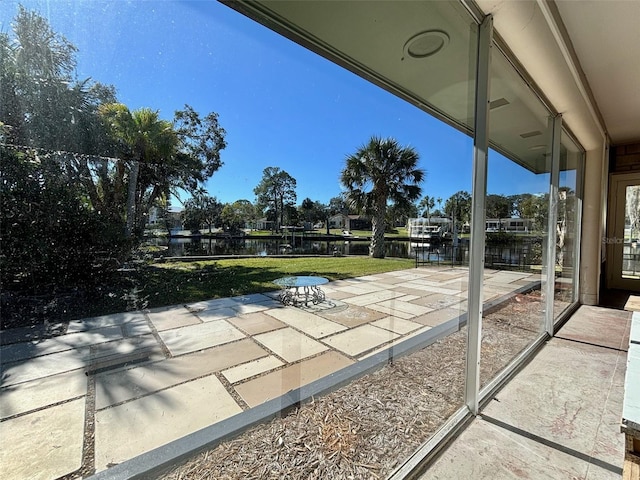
[(264, 224), (443, 222), (338, 221), (155, 218), (358, 222), (508, 224), (349, 222)]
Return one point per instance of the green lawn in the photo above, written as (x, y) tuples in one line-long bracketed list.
[(183, 282), (162, 284)]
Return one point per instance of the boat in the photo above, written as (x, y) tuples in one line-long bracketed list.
[(424, 235)]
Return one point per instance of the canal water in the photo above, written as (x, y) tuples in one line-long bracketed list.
[(179, 247), (518, 254)]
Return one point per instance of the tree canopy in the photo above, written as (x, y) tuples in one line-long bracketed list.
[(276, 191), (202, 209), (93, 166), (458, 206), (157, 157), (379, 172)]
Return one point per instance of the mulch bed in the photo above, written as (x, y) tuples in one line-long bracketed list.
[(366, 429)]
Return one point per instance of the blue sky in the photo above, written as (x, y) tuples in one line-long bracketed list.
[(280, 104)]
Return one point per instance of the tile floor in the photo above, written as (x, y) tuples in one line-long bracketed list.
[(559, 418)]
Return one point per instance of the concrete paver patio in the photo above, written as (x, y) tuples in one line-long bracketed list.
[(203, 363)]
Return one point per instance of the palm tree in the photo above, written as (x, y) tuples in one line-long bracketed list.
[(142, 138), (427, 204), (379, 172)]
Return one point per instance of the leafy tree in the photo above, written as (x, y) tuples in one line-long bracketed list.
[(64, 135), (201, 209), (236, 215), (41, 103), (498, 206), (517, 203), (276, 190), (291, 215), (338, 205), (53, 241), (399, 214), (458, 206), (312, 212), (156, 157), (163, 209), (536, 208), (53, 237), (378, 172)]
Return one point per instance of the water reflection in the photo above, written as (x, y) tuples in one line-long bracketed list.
[(518, 254), (179, 247)]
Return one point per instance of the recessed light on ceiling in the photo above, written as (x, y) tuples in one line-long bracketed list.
[(426, 43), (500, 102), (538, 147), (535, 133)]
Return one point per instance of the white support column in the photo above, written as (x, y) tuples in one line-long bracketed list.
[(476, 257), (549, 267), (593, 222), (578, 230)]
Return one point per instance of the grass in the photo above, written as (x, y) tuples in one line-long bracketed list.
[(164, 284), (174, 283)]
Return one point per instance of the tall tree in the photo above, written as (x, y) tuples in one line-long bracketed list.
[(156, 156), (235, 216), (202, 209), (536, 208), (54, 235), (41, 102), (338, 205), (378, 172), (426, 205), (141, 137), (517, 202), (276, 190), (400, 214), (312, 211), (458, 206), (498, 206)]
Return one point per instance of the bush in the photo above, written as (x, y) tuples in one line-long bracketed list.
[(53, 241), (500, 238)]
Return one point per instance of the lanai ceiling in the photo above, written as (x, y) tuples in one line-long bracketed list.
[(554, 41), (606, 38), (599, 39)]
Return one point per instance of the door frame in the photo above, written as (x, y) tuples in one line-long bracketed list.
[(615, 230)]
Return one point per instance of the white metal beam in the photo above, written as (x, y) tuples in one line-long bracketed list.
[(476, 257), (549, 267)]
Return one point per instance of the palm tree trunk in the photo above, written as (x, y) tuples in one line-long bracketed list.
[(131, 198), (377, 250)]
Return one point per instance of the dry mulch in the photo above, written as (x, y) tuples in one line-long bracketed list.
[(366, 429)]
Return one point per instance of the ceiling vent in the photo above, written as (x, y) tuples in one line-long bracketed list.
[(535, 133), (500, 102)]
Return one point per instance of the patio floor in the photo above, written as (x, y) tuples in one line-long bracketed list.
[(201, 363), (560, 417)]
